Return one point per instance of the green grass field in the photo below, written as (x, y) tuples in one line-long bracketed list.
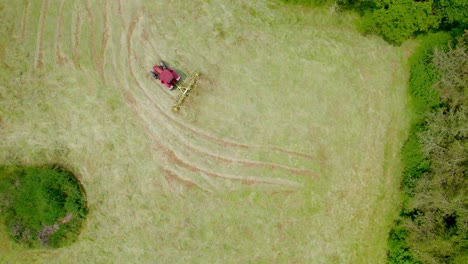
[(288, 151)]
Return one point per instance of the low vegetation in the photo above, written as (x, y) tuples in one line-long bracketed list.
[(41, 206)]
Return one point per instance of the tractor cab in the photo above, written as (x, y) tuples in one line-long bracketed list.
[(167, 76)]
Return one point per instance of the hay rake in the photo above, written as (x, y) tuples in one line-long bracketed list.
[(185, 88)]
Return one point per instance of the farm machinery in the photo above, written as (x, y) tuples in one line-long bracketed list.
[(166, 76), (170, 79)]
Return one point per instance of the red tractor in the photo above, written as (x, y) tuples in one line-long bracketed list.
[(167, 76)]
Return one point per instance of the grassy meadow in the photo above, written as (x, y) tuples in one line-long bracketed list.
[(287, 151)]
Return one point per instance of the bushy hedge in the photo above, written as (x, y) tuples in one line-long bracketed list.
[(305, 2), (423, 74), (432, 227), (398, 20), (41, 206)]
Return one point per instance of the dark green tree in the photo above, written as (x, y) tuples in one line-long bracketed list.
[(438, 227)]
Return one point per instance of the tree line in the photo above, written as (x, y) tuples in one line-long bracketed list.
[(432, 226)]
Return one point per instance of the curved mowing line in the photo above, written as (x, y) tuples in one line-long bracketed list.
[(170, 154), (172, 176), (105, 38), (38, 58), (229, 160), (92, 49), (58, 36), (173, 158), (24, 20), (119, 9), (132, 103), (133, 23), (76, 37)]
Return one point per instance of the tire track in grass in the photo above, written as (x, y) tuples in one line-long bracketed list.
[(38, 58), (24, 20), (105, 39), (250, 163), (171, 176), (76, 36), (119, 10), (59, 59), (169, 153), (174, 158), (92, 48)]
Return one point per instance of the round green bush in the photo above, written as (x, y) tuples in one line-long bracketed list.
[(41, 206)]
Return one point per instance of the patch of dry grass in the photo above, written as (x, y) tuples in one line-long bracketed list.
[(296, 88)]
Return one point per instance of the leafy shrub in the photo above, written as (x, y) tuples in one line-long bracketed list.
[(397, 20), (414, 161), (439, 233), (423, 75), (453, 13), (41, 205), (398, 249), (433, 222), (309, 3)]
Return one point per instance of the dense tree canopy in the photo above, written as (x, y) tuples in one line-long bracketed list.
[(434, 220), (398, 20)]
